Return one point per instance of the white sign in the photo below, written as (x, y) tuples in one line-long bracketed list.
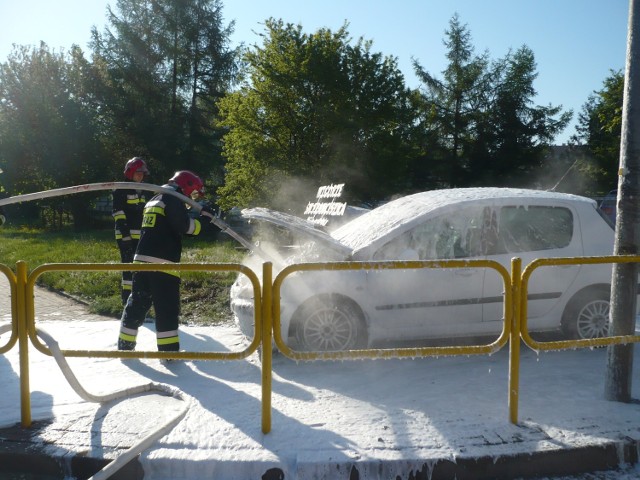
[(318, 211)]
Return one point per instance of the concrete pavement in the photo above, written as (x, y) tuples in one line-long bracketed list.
[(81, 443)]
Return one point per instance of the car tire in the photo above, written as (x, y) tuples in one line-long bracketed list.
[(587, 314), (329, 323)]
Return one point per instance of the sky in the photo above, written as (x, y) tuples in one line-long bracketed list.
[(576, 43)]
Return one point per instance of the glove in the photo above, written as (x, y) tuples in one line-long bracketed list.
[(126, 251), (208, 211)]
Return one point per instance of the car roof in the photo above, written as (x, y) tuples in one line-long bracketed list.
[(370, 229)]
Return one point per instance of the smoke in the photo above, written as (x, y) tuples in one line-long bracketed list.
[(277, 244), (266, 251), (567, 169), (291, 194)]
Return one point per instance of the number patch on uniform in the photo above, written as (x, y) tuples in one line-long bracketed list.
[(149, 220)]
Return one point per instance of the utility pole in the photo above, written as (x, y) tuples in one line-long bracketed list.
[(624, 278)]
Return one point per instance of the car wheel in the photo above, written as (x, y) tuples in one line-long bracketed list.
[(587, 315), (329, 323)]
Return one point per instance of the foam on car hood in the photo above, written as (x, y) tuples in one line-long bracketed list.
[(297, 225)]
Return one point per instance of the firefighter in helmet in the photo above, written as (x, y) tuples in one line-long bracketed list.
[(166, 220), (128, 205)]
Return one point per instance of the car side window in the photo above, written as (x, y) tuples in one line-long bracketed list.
[(533, 228)]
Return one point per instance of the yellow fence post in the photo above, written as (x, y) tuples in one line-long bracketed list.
[(267, 321), (514, 343), (23, 342), (13, 338)]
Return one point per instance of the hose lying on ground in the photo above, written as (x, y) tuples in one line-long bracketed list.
[(143, 444)]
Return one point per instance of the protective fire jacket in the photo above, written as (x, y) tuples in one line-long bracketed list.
[(165, 221), (128, 206)]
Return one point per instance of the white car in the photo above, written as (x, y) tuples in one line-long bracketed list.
[(340, 310)]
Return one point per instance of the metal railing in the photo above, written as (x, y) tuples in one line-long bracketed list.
[(267, 321), (522, 327), (109, 267), (11, 277), (23, 315), (393, 352)]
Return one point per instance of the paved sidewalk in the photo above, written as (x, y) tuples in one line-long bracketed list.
[(53, 306), (48, 305), (74, 438)]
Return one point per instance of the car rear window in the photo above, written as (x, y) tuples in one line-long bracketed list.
[(534, 228)]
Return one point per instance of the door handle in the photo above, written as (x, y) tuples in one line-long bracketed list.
[(464, 272)]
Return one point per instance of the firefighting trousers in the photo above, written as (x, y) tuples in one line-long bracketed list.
[(162, 290), (127, 250)]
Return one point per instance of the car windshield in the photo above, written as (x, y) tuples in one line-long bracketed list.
[(377, 223)]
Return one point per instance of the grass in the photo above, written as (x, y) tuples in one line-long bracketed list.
[(205, 295)]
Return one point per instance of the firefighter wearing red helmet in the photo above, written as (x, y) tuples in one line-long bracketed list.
[(128, 205), (166, 220)]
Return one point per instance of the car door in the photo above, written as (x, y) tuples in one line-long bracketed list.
[(428, 302), (530, 232)]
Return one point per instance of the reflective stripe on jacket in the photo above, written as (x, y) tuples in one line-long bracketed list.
[(128, 206), (166, 219)]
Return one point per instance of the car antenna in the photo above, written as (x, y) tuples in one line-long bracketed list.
[(553, 189)]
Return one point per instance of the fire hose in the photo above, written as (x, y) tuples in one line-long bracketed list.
[(91, 187), (133, 451), (163, 429)]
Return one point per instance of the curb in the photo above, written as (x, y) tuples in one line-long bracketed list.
[(20, 454), (575, 461)]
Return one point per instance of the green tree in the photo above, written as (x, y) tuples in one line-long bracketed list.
[(479, 123), (515, 134), (315, 107), (48, 134), (203, 67), (599, 130), (454, 103), (164, 64), (132, 96)]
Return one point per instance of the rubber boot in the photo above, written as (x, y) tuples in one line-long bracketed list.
[(126, 345)]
